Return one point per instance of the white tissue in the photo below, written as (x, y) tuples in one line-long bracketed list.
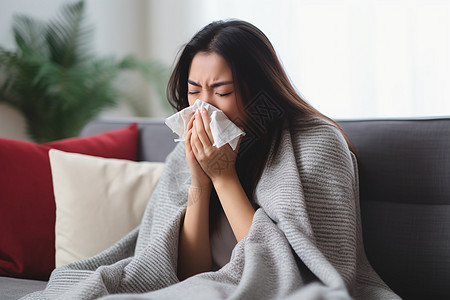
[(223, 130)]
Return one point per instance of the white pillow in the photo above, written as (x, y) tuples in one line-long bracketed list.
[(98, 201)]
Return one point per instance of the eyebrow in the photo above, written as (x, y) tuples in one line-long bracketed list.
[(216, 84)]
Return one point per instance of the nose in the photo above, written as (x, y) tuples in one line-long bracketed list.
[(208, 98)]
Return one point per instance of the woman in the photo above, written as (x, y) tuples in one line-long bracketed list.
[(229, 65), (277, 218)]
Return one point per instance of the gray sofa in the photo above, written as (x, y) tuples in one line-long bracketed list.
[(404, 192)]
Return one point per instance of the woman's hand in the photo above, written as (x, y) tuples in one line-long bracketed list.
[(217, 163), (199, 179)]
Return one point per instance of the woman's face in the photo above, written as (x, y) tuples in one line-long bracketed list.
[(210, 79)]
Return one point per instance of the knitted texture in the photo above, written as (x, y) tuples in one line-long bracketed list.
[(305, 241)]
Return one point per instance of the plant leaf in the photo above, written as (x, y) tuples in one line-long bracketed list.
[(29, 35), (68, 39), (56, 83)]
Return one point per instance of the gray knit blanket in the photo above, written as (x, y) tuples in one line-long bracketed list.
[(305, 240)]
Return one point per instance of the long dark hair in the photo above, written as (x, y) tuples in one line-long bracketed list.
[(270, 101)]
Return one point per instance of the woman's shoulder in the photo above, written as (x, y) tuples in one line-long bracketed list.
[(316, 129), (318, 138)]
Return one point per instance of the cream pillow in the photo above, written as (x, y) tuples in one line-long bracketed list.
[(98, 201)]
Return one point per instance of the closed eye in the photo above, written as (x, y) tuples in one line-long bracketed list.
[(192, 93), (222, 95)]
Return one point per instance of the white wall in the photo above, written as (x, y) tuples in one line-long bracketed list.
[(122, 28)]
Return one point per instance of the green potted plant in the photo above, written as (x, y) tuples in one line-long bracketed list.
[(56, 82)]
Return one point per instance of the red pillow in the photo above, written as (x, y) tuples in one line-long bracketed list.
[(27, 203)]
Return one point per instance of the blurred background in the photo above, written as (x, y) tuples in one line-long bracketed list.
[(351, 59)]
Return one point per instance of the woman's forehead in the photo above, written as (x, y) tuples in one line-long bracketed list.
[(209, 68)]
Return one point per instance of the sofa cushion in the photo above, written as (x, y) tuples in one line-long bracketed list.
[(27, 214), (13, 288), (91, 217)]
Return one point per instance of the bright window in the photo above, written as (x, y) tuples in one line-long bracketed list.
[(353, 59)]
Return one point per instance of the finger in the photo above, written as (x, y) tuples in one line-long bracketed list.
[(189, 151), (200, 129), (192, 143), (197, 144), (189, 125), (206, 122)]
